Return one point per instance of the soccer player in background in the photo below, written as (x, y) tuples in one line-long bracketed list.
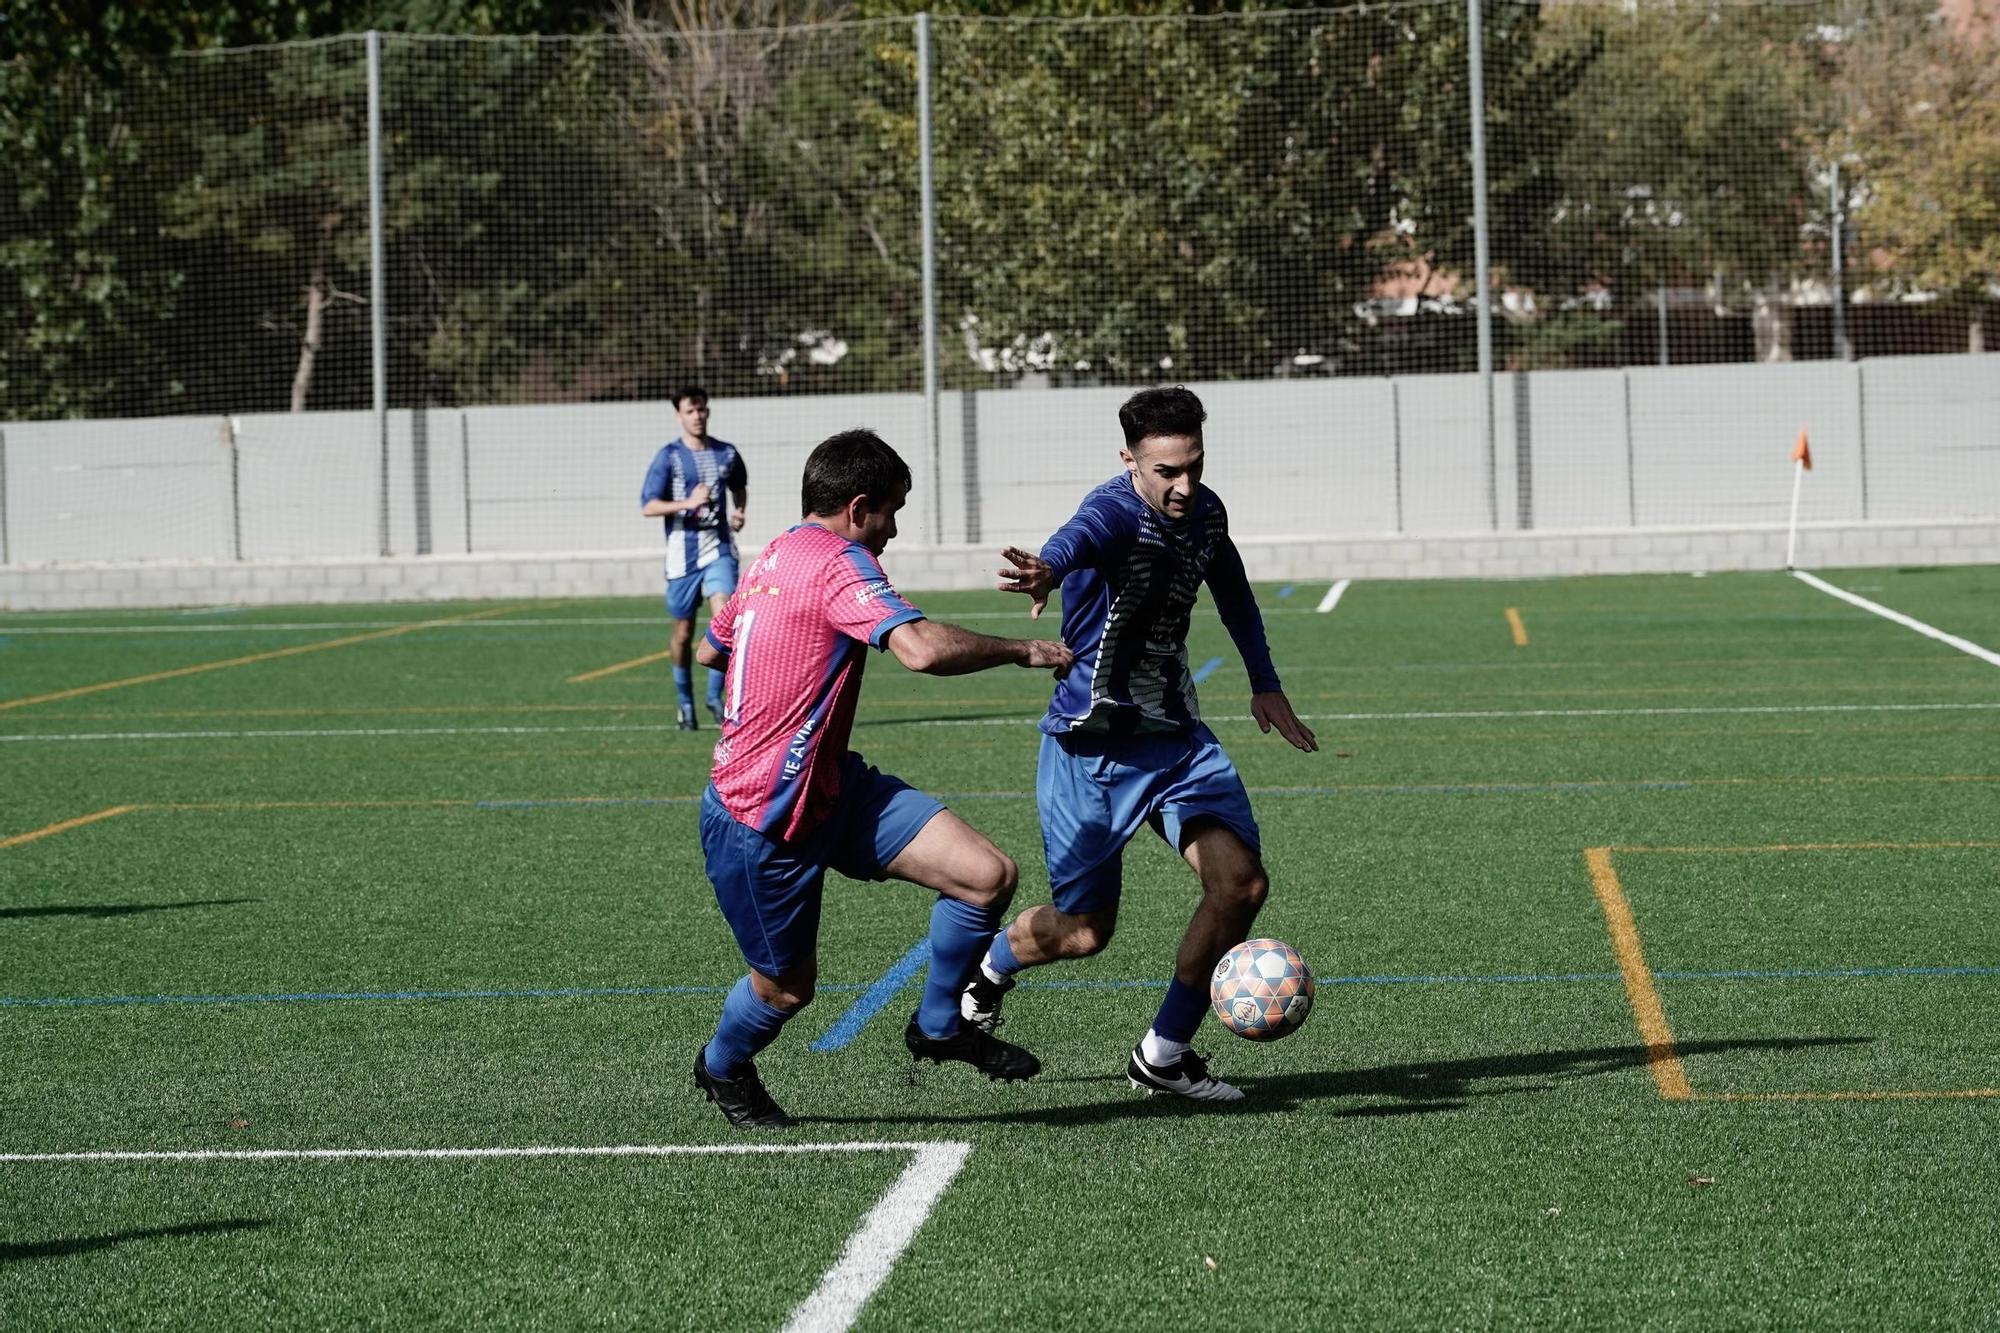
[(788, 799), (1123, 743), (685, 486)]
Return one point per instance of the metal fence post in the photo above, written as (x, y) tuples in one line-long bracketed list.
[(6, 552), (377, 299), (1841, 350), (1481, 246), (229, 433), (927, 190)]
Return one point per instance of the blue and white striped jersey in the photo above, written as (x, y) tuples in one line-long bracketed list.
[(696, 538), (1129, 579)]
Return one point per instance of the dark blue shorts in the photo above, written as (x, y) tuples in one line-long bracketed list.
[(684, 594), (1095, 791), (770, 890)]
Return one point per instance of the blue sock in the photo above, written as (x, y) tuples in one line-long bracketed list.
[(748, 1025), (1000, 956), (684, 686), (1181, 1012), (959, 932), (715, 687)]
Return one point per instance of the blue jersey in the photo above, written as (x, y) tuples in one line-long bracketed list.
[(696, 538), (1129, 578)]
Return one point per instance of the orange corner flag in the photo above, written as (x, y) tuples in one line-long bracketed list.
[(1802, 453)]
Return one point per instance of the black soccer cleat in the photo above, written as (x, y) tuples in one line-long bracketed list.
[(742, 1099), (979, 1004), (684, 721), (997, 1059), (1187, 1076), (715, 710)]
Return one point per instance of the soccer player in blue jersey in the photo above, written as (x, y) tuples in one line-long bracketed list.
[(685, 486), (1123, 744)]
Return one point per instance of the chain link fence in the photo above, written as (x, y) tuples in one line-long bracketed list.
[(1283, 200)]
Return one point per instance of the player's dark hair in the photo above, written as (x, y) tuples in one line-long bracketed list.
[(854, 462), (681, 395), (1169, 410)]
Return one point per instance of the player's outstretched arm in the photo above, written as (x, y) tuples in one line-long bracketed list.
[(947, 650), (1273, 709), (1030, 576)]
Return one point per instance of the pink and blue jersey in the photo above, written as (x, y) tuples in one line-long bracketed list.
[(696, 538), (794, 633)]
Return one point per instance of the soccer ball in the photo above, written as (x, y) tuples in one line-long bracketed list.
[(1262, 990)]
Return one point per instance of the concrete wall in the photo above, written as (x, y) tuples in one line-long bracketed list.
[(918, 568), (1347, 467)]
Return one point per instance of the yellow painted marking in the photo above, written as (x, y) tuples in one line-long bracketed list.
[(1844, 1096), (621, 666), (200, 667), (1662, 1056), (109, 812), (1520, 630)]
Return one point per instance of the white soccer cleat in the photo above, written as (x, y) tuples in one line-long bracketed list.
[(1187, 1076)]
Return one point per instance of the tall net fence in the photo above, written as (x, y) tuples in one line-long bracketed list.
[(1708, 227)]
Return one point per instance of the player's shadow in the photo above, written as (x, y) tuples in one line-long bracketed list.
[(104, 911), (1422, 1088), (19, 1251)]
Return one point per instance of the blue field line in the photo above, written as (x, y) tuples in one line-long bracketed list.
[(1206, 669), (307, 997), (878, 993), (848, 1026), (1287, 591)]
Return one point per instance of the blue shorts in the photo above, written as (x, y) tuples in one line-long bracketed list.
[(684, 594), (770, 890), (1095, 791)]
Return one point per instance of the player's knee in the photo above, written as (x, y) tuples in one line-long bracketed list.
[(1087, 936), (991, 886), (1247, 890)]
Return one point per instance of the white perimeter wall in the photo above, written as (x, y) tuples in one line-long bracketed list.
[(1332, 477)]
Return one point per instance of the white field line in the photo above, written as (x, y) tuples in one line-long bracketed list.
[(879, 1241), (650, 622), (871, 1251), (1332, 598), (1469, 714), (1907, 622)]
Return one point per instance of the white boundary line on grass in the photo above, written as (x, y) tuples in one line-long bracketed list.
[(1332, 598), (1907, 622), (1464, 714), (871, 1251)]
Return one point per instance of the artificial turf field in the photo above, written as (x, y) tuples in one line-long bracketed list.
[(1659, 962)]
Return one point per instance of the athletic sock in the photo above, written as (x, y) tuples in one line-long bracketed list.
[(1158, 1052), (1000, 961), (748, 1025), (684, 686), (959, 932), (1180, 1013), (715, 687)]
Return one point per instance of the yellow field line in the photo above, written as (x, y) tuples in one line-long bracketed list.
[(1843, 1096), (1520, 630), (620, 666), (1818, 847), (200, 667), (1662, 1056), (66, 825)]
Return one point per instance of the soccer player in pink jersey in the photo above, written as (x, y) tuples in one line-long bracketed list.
[(788, 799)]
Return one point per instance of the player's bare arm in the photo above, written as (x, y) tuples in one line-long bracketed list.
[(1273, 709), (707, 654), (696, 498), (1030, 576), (947, 650)]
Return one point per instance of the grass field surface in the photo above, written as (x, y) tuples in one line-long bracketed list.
[(1656, 919)]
